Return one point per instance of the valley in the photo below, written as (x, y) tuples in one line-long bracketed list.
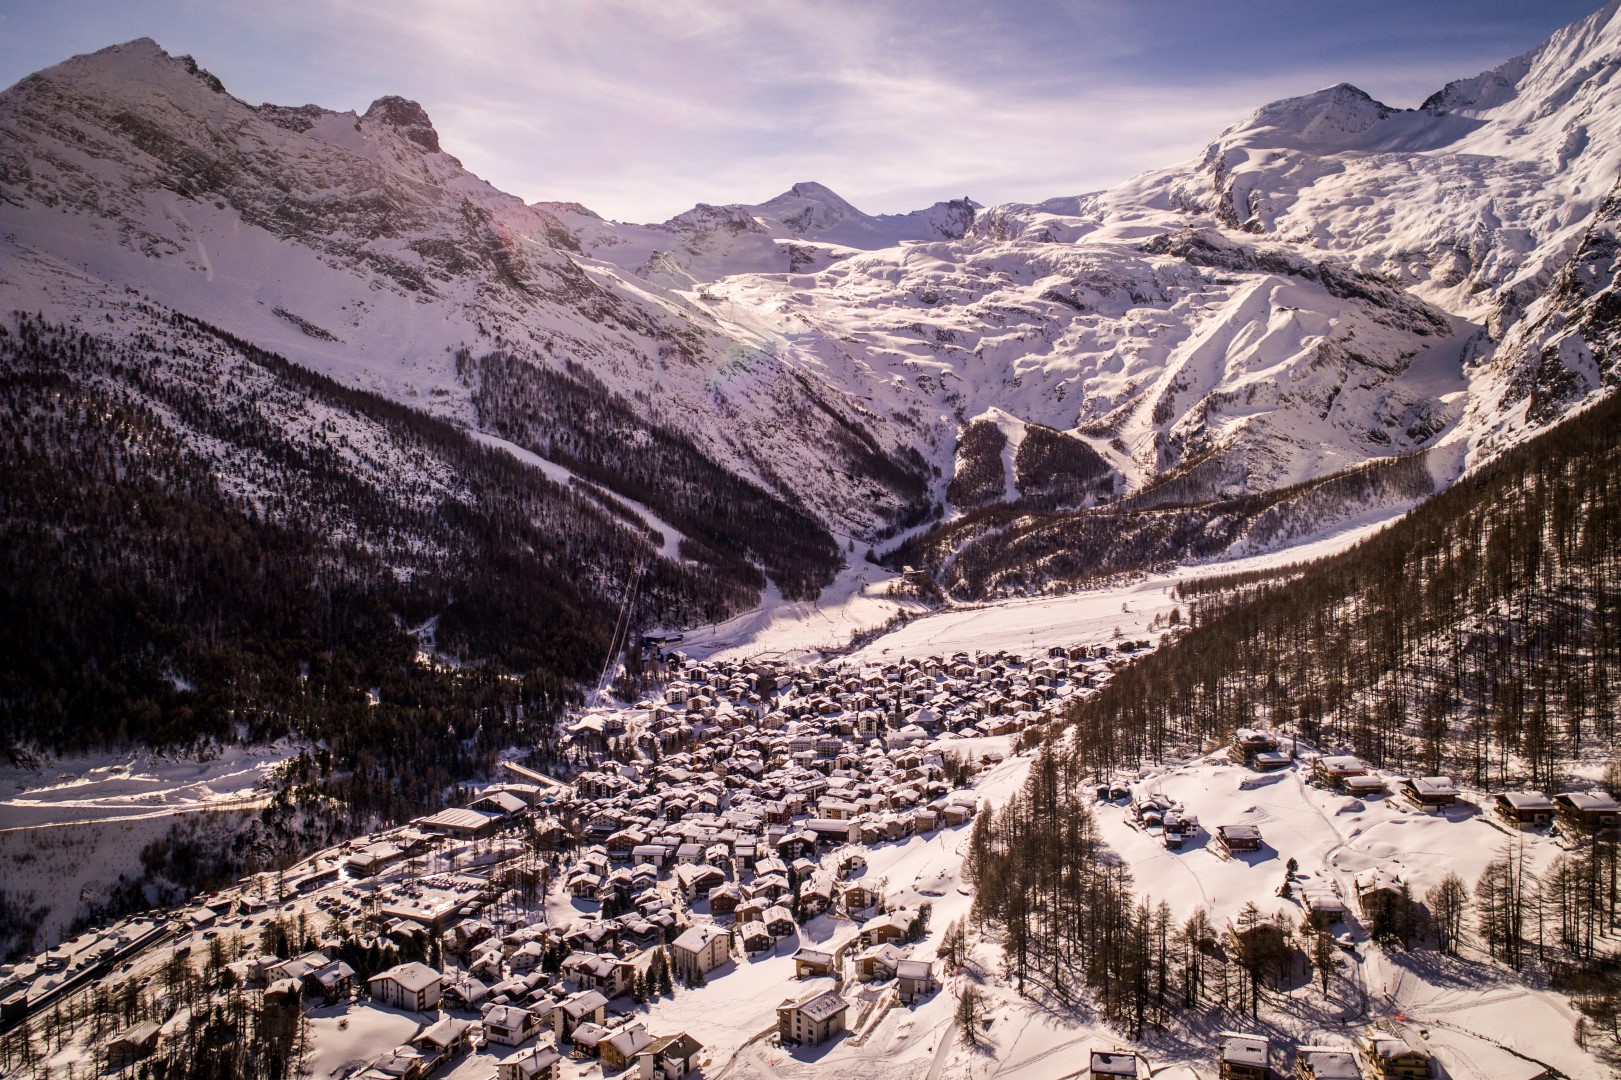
[(1169, 630)]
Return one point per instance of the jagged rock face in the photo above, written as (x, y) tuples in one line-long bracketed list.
[(1332, 282), (409, 118), (1568, 345)]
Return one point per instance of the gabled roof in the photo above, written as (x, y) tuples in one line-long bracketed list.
[(697, 938), (583, 1002)]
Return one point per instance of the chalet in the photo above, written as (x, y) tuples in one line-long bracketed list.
[(588, 1039), (443, 1041), (414, 987), (1588, 813), (541, 1063), (467, 992), (877, 962), (889, 928), (1389, 1057), (696, 879), (626, 841), (914, 979), (809, 962), (798, 845), (1248, 742), (1175, 828), (1233, 838), (779, 922), (812, 1019), (723, 899), (1111, 1065), (700, 949), (400, 1063), (1325, 1063), (133, 1045), (857, 897), (755, 937), (1524, 809), (1264, 935), (769, 887), (822, 830), (585, 1007), (1323, 907), (619, 1049), (1331, 771), (1430, 792), (1377, 889), (1364, 786), (669, 1057), (816, 896), (509, 1025), (1242, 1056)]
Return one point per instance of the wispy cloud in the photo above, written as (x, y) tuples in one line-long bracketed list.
[(640, 109)]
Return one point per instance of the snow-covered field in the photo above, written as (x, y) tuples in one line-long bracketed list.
[(141, 784), (857, 602), (1481, 1022)]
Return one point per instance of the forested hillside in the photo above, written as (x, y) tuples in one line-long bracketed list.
[(1479, 635), (243, 549)]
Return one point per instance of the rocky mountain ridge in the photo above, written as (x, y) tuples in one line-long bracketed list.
[(1332, 285)]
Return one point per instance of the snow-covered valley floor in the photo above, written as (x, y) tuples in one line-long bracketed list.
[(858, 602)]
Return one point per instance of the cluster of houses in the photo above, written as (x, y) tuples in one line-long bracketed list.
[(1381, 1055), (828, 707), (716, 820), (1577, 814)]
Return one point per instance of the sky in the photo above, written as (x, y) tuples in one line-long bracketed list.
[(641, 109)]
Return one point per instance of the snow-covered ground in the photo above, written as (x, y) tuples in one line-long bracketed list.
[(141, 784), (857, 602), (1471, 1015)]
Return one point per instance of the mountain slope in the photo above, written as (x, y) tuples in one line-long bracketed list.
[(353, 245), (1339, 306)]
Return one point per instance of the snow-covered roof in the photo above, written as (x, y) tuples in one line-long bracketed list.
[(1527, 800), (1242, 1048), (697, 938), (819, 1006), (413, 976)]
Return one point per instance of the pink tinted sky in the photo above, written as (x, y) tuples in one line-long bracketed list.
[(639, 110)]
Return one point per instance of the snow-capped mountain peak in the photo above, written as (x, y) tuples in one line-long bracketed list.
[(807, 208), (1334, 282), (1327, 119)]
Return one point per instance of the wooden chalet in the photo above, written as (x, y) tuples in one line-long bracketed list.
[(1331, 771), (1111, 1065), (1389, 1057), (1325, 1063), (1587, 813), (1430, 792), (133, 1045), (1236, 838), (1243, 1056), (1524, 809)]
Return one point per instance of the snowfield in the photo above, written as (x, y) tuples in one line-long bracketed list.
[(858, 602)]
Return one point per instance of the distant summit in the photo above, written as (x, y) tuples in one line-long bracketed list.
[(410, 118)]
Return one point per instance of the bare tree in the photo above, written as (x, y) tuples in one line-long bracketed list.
[(1448, 901)]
